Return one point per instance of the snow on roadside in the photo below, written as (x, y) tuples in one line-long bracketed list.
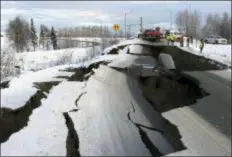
[(217, 52), (46, 127), (45, 59), (14, 98), (96, 39), (22, 87)]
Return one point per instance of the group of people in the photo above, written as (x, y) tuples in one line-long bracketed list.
[(172, 38)]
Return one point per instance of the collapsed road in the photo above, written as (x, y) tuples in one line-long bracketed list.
[(119, 113), (138, 105)]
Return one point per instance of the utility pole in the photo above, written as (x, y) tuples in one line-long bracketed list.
[(92, 31), (125, 26), (141, 24), (129, 31), (171, 19), (101, 30)]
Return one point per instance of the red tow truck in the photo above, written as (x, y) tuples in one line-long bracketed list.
[(151, 34)]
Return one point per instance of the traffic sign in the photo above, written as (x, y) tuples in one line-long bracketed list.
[(116, 27)]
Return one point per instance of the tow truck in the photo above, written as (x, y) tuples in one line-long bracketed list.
[(151, 34)]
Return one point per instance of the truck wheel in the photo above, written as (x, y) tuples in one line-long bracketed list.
[(216, 42)]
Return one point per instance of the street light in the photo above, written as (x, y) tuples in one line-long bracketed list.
[(125, 21)]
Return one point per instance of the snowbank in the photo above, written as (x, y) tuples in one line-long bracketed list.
[(220, 53), (46, 128), (21, 88), (94, 39), (217, 52), (14, 98)]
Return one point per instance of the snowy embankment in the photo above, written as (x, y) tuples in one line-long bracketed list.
[(92, 39), (220, 53), (47, 125), (217, 52), (34, 61), (22, 86)]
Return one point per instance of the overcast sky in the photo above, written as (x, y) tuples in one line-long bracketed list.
[(73, 13)]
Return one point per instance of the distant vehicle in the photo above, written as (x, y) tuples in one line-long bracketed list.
[(150, 34), (215, 39)]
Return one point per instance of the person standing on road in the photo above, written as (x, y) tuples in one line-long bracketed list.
[(169, 39), (201, 45), (191, 39), (182, 41), (188, 40), (173, 39), (167, 35)]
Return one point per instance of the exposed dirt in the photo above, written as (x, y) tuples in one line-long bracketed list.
[(185, 61), (167, 93), (5, 84), (82, 73), (116, 50), (12, 121), (72, 141)]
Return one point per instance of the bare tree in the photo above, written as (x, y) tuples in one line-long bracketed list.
[(33, 35), (42, 36), (225, 27), (85, 31), (18, 32), (218, 25), (189, 22)]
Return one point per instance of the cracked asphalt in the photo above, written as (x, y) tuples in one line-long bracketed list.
[(112, 117)]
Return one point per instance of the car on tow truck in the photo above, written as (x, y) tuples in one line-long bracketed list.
[(151, 34)]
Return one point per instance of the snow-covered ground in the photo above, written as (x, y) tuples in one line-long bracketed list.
[(46, 127), (34, 61), (220, 53), (46, 131), (22, 87), (42, 59), (217, 52), (96, 39)]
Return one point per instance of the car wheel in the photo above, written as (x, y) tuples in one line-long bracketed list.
[(206, 41)]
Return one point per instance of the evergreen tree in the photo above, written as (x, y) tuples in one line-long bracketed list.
[(33, 35), (42, 35), (53, 39)]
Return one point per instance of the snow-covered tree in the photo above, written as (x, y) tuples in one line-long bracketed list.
[(33, 35), (18, 31), (45, 36), (42, 36), (53, 38)]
